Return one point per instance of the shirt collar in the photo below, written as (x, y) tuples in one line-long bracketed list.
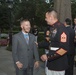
[(24, 33), (67, 26)]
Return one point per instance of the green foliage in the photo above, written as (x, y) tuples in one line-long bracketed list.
[(4, 20), (41, 38), (31, 9), (41, 9)]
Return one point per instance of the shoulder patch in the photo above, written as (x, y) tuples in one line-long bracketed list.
[(63, 37)]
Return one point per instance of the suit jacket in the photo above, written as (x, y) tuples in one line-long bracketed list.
[(23, 52), (71, 40)]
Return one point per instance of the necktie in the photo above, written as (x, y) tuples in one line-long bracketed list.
[(27, 38)]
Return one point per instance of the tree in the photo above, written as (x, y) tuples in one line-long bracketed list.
[(4, 20), (63, 7), (32, 9)]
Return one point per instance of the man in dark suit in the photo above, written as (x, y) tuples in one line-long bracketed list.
[(24, 50), (71, 51), (74, 27)]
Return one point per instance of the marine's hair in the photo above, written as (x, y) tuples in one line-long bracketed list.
[(53, 12)]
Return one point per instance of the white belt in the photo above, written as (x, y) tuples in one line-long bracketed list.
[(54, 48)]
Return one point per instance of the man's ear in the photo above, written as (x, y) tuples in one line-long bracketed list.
[(21, 26)]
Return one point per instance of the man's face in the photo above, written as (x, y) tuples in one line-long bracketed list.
[(26, 26), (49, 18), (75, 21), (48, 32)]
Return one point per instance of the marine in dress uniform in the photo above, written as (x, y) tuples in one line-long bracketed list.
[(57, 56), (57, 59)]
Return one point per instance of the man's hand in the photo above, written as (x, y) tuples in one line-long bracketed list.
[(19, 65), (36, 64), (44, 57)]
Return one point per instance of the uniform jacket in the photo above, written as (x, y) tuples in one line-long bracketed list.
[(60, 39)]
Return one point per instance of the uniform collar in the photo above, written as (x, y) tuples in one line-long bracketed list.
[(67, 26), (56, 23)]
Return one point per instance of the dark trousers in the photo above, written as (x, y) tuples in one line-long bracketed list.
[(69, 71), (27, 71)]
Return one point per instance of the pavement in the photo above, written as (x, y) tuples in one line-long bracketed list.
[(7, 66)]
